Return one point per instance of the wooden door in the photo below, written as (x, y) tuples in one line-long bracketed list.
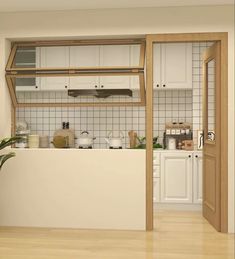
[(176, 177), (212, 136), (197, 177)]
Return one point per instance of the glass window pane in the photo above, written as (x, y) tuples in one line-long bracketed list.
[(211, 100)]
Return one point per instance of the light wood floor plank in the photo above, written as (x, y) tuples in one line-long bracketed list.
[(177, 235)]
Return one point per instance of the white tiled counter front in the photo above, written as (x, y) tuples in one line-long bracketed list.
[(73, 188)]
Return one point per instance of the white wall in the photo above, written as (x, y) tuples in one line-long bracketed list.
[(126, 22)]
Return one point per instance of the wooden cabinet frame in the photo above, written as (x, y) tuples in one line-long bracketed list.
[(14, 72), (222, 37)]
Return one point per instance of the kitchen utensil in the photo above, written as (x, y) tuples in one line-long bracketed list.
[(33, 141), (85, 140), (60, 141), (171, 144), (115, 142), (133, 137), (43, 141)]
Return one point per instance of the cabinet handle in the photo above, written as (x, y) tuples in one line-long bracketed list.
[(96, 86), (164, 85), (102, 86), (189, 156), (157, 85), (196, 156)]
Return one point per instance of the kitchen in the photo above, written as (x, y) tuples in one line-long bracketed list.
[(47, 118)]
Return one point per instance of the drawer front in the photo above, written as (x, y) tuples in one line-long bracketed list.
[(156, 158), (156, 171)]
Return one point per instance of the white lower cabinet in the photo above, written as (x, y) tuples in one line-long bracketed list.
[(176, 177), (156, 189), (197, 177)]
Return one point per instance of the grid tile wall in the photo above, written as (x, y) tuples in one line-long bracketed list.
[(169, 105)]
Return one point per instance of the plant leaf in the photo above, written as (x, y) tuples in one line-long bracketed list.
[(4, 158), (8, 142)]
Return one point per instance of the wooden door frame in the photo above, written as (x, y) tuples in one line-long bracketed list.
[(222, 37)]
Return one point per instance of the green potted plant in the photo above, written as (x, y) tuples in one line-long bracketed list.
[(142, 142), (5, 143)]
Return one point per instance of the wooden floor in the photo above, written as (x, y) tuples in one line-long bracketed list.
[(178, 235)]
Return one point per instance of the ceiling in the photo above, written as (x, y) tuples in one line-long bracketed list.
[(52, 5)]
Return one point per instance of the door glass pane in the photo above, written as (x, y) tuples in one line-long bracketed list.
[(25, 57), (211, 100)]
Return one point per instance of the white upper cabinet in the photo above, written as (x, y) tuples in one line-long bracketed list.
[(197, 177), (81, 57), (54, 57), (176, 177), (115, 56), (84, 56), (172, 65), (157, 65)]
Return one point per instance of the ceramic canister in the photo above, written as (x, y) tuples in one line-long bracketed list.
[(44, 142), (33, 141)]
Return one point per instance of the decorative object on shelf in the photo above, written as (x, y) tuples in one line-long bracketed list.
[(171, 145), (22, 131), (115, 142), (67, 132), (60, 141), (133, 137), (142, 143), (5, 143), (33, 141), (187, 145), (85, 140), (44, 141)]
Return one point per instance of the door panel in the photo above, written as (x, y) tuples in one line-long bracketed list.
[(211, 150)]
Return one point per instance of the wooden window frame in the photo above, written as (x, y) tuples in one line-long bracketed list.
[(14, 72), (222, 37)]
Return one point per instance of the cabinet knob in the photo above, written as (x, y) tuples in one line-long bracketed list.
[(102, 86), (164, 85), (157, 85), (196, 156), (65, 86), (189, 156), (96, 86), (36, 86)]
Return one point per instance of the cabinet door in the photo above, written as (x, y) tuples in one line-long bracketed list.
[(156, 190), (115, 82), (176, 64), (197, 177), (54, 57), (115, 56), (156, 65), (176, 177), (27, 84), (80, 57), (54, 83)]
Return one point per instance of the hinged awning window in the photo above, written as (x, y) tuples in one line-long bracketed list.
[(49, 66)]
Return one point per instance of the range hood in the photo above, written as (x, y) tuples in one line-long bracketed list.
[(99, 93)]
